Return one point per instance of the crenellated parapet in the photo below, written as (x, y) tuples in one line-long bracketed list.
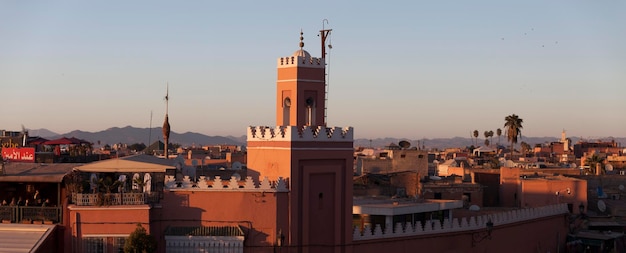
[(302, 133), (457, 225), (300, 61), (218, 184)]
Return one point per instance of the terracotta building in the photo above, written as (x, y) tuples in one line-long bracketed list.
[(394, 159)]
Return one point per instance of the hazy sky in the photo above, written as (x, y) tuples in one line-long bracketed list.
[(404, 69)]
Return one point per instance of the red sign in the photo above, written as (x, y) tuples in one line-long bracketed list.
[(19, 154)]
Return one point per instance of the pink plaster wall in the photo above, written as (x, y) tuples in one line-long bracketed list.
[(292, 81), (104, 220), (260, 214), (107, 220), (537, 193)]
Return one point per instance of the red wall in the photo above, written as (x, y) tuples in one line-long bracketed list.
[(540, 235), (104, 220), (260, 214), (537, 193)]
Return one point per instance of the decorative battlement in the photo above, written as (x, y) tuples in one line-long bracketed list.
[(303, 133), (473, 223), (299, 61), (217, 184)]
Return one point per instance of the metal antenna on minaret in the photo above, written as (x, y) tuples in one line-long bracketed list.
[(166, 123), (324, 33)]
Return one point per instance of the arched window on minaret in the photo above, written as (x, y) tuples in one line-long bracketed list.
[(310, 111), (286, 111)]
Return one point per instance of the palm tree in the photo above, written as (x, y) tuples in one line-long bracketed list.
[(107, 185), (487, 135), (513, 127), (499, 133), (525, 147), (140, 183), (592, 162), (476, 137)]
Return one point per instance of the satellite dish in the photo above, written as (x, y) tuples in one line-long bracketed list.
[(474, 208), (621, 187), (404, 144), (608, 167), (601, 206), (236, 166)]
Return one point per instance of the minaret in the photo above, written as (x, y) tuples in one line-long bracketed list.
[(314, 159), (166, 123), (565, 141), (300, 89)]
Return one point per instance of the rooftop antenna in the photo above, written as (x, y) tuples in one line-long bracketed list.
[(324, 34)]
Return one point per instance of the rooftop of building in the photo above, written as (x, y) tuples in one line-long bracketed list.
[(548, 177), (23, 237), (37, 172), (400, 206), (134, 163)]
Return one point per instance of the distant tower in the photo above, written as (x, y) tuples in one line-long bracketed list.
[(315, 160), (565, 141), (166, 123)]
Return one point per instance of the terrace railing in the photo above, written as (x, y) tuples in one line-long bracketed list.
[(104, 199), (31, 214)]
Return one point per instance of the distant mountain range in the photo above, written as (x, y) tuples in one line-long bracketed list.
[(131, 135), (455, 142)]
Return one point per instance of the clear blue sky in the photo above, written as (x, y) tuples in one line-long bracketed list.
[(404, 69)]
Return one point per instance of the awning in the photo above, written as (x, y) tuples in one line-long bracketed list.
[(137, 163)]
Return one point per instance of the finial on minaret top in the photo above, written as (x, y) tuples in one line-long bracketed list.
[(301, 39)]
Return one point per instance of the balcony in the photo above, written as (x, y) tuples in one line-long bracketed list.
[(110, 199), (31, 214)]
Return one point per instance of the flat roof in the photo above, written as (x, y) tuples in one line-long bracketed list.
[(544, 177), (135, 163), (401, 207), (23, 237), (598, 235), (37, 172)]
